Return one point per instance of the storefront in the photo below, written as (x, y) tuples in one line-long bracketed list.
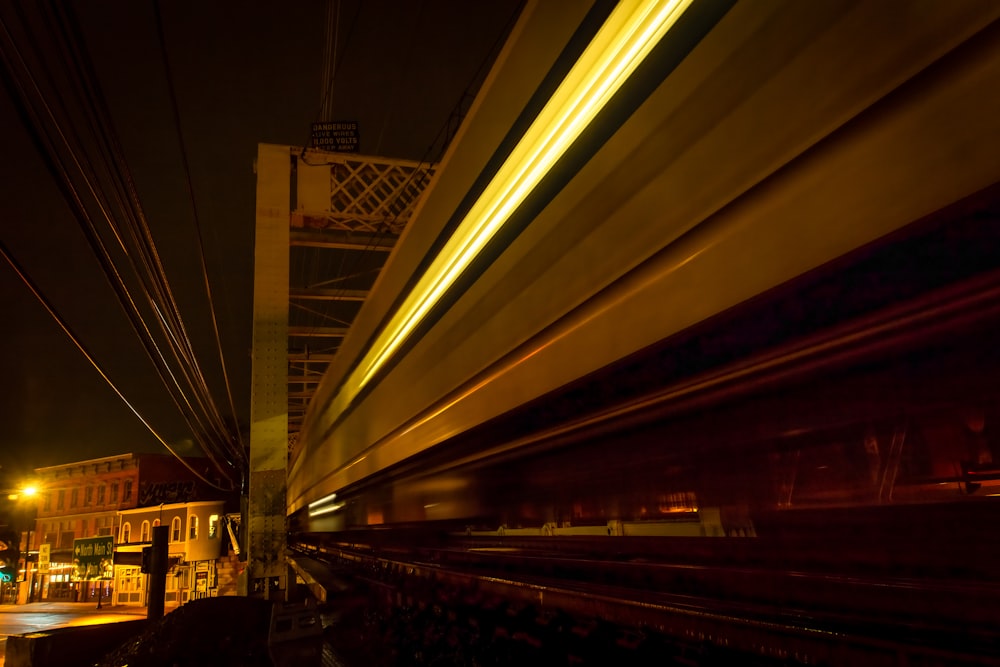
[(195, 545), (60, 584), (130, 586)]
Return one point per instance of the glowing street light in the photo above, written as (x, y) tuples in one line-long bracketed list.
[(27, 492)]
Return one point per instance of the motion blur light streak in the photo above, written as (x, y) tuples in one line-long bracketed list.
[(330, 509), (631, 31), (324, 505)]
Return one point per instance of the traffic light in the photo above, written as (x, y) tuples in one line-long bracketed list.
[(9, 556), (146, 566)]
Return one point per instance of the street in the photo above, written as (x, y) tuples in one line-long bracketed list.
[(18, 619)]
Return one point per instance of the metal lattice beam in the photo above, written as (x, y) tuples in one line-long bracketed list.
[(319, 294), (357, 193)]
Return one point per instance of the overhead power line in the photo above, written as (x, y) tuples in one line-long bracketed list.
[(93, 362), (54, 85), (237, 448)]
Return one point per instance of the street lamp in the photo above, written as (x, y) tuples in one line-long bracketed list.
[(17, 516), (23, 493)]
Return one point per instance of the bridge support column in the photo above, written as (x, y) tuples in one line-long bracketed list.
[(267, 572)]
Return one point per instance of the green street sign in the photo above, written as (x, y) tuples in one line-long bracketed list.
[(94, 557)]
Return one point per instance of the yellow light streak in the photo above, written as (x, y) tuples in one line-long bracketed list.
[(628, 35), (325, 505)]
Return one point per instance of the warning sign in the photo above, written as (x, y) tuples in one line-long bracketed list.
[(340, 136)]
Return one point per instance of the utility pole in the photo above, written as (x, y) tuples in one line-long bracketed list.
[(158, 561)]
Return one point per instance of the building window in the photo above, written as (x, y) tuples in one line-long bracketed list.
[(213, 526), (130, 580), (114, 492), (61, 503), (48, 503), (127, 491), (100, 494), (156, 522), (175, 529), (126, 533), (144, 532), (74, 497), (193, 527), (89, 496)]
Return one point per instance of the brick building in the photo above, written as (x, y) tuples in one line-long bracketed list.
[(83, 499)]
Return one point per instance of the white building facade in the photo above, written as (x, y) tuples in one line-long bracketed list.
[(197, 546)]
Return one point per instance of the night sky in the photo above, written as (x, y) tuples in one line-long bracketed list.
[(244, 72)]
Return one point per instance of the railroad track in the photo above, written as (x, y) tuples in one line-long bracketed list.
[(774, 615)]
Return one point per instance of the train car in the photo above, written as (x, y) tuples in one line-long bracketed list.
[(755, 291)]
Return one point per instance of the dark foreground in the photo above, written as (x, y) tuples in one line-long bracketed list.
[(461, 626), (224, 632), (359, 630)]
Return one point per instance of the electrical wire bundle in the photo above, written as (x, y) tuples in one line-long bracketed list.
[(53, 83)]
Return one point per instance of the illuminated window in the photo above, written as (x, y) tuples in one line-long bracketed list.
[(126, 532), (193, 527), (156, 522), (130, 580), (175, 529), (213, 526), (144, 532)]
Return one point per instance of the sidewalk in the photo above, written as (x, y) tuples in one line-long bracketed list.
[(35, 617)]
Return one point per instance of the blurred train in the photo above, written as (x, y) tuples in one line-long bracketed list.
[(758, 292)]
